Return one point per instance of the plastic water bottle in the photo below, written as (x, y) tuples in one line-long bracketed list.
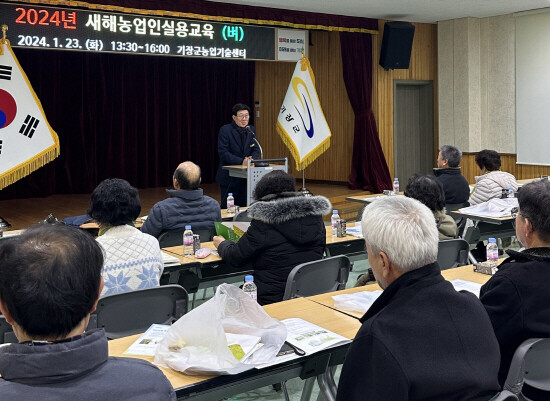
[(510, 192), (250, 288), (230, 203), (492, 253), (396, 185), (188, 242), (334, 222)]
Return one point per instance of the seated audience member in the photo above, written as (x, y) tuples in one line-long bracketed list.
[(286, 229), (133, 260), (50, 281), (186, 205), (427, 190), (490, 184), (448, 174), (516, 297), (421, 339)]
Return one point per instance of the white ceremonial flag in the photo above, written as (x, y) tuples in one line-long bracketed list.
[(301, 123), (27, 141)]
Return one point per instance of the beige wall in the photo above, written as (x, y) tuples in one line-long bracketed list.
[(477, 83)]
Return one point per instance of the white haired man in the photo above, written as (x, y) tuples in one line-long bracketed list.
[(420, 340)]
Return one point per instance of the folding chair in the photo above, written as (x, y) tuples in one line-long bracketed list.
[(175, 238), (452, 253), (530, 366), (313, 278), (132, 312)]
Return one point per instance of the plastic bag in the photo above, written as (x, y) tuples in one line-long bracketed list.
[(196, 343), (357, 301)]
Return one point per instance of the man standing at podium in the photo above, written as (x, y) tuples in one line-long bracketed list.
[(236, 145)]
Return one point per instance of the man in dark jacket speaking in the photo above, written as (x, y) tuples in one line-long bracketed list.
[(236, 145), (420, 340)]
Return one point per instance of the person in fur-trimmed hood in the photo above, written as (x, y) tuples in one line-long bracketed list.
[(517, 297), (286, 229)]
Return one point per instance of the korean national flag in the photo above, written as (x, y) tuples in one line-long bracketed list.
[(301, 123), (27, 141)]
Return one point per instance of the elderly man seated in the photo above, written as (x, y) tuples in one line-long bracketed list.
[(516, 297), (50, 281), (420, 340)]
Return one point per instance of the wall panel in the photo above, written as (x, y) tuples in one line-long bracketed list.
[(520, 171), (423, 66), (272, 79)]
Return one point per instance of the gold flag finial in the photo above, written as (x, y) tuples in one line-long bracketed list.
[(3, 40)]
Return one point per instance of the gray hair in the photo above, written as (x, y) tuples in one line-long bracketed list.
[(452, 154), (404, 229)]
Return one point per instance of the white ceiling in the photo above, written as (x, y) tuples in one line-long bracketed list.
[(403, 10)]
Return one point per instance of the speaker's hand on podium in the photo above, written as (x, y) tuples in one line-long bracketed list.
[(245, 161)]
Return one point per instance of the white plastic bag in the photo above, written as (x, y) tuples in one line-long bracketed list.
[(196, 343)]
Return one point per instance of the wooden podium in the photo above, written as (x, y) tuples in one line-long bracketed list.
[(255, 174)]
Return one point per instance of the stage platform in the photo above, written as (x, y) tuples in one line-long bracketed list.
[(21, 213)]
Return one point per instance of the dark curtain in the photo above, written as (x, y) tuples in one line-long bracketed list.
[(127, 116), (275, 15), (369, 170)]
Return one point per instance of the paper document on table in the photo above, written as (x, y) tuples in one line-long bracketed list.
[(146, 344), (469, 286), (356, 302), (355, 231), (168, 259), (492, 208), (309, 337)]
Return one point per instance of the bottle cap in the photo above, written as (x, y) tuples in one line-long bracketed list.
[(188, 227), (492, 240), (511, 188), (230, 194), (335, 211), (395, 179), (249, 278)]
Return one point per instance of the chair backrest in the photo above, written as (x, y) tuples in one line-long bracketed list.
[(459, 220), (132, 312), (318, 277), (175, 238), (242, 216), (530, 365), (6, 332), (452, 253)]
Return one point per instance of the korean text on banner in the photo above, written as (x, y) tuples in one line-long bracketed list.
[(301, 122), (27, 141)]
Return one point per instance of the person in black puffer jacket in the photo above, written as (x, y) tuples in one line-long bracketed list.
[(286, 229)]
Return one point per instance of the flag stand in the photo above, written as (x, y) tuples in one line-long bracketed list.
[(304, 190)]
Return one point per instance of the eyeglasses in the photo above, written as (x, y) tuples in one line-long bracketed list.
[(515, 211), (243, 116)]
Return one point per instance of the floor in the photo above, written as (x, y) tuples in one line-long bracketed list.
[(22, 213)]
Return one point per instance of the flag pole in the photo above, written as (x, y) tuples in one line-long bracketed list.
[(304, 190), (4, 225)]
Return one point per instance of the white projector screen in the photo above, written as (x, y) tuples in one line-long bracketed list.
[(533, 89)]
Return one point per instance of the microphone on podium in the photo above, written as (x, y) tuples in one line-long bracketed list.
[(257, 163)]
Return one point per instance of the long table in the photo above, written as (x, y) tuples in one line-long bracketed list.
[(462, 272), (317, 309), (212, 270), (208, 387)]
